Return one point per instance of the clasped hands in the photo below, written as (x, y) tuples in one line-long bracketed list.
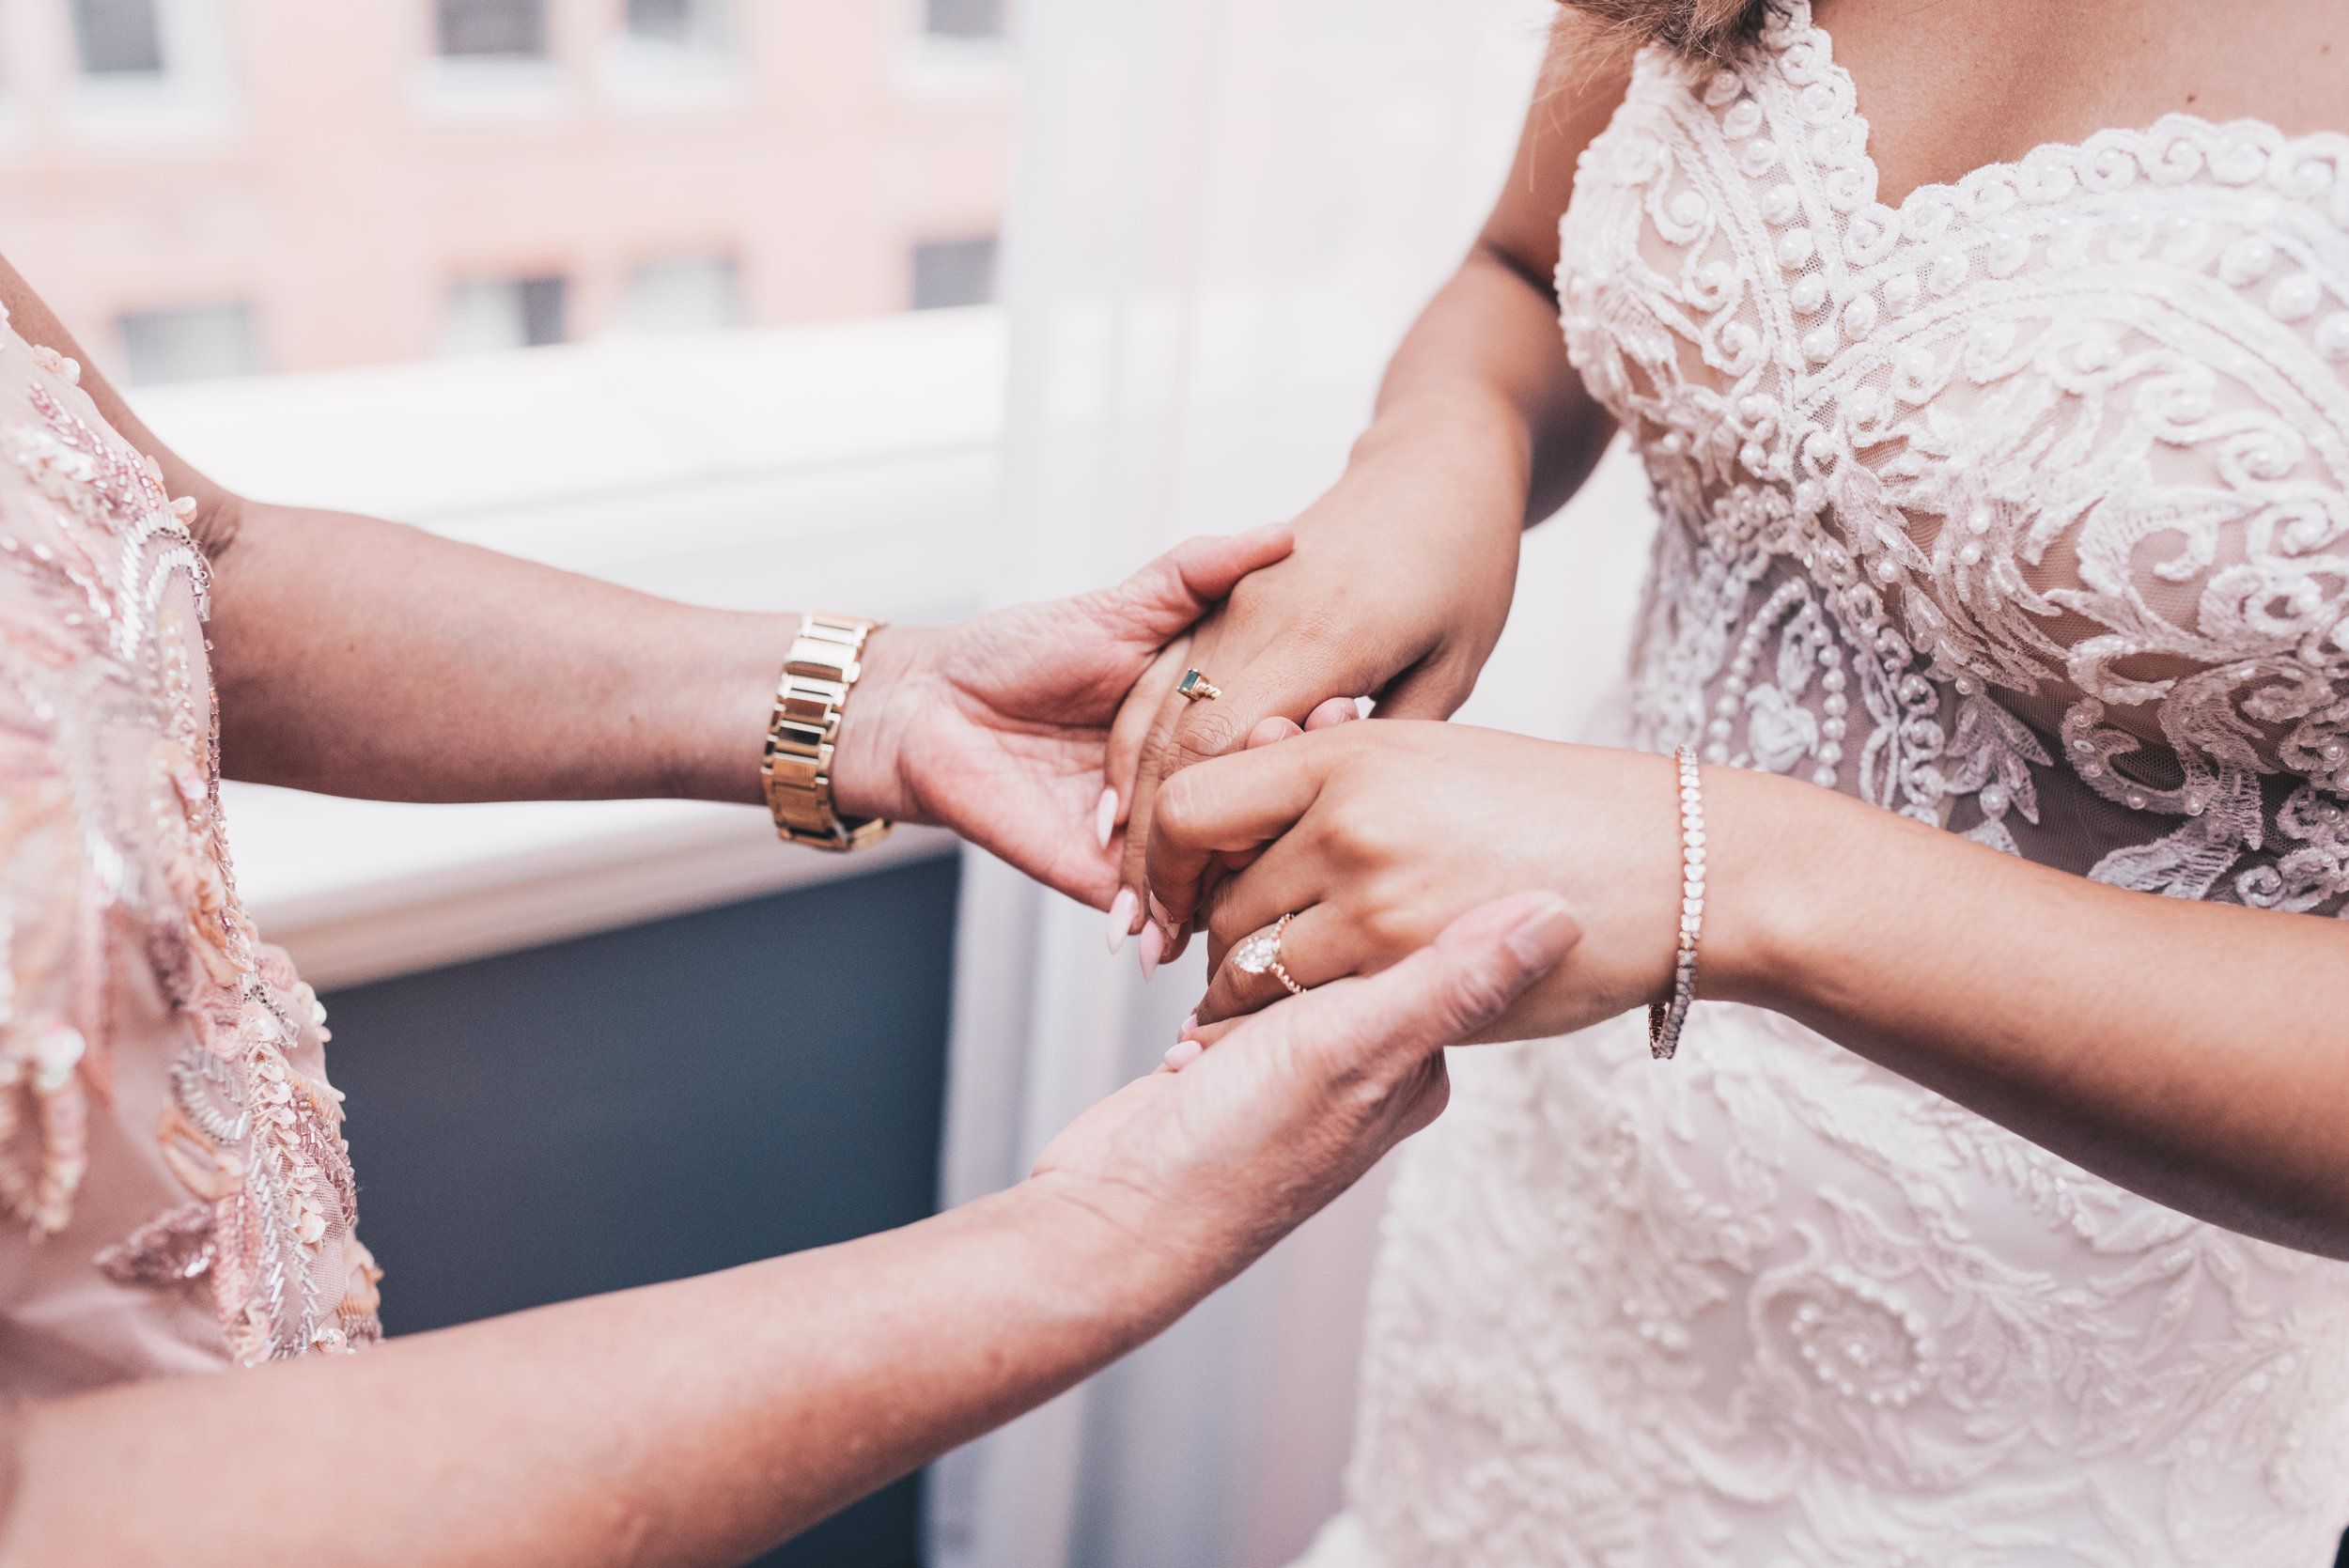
[(1051, 734), (1270, 802)]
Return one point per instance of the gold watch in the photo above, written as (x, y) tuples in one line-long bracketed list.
[(822, 667)]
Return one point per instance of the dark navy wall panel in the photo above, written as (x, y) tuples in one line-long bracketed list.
[(658, 1102)]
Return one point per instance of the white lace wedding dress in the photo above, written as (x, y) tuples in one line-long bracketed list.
[(2022, 509)]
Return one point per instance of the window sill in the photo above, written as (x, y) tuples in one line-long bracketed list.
[(956, 67), (491, 89), (653, 76), (850, 465), (148, 108)]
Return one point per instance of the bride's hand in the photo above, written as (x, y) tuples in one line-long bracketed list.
[(999, 727), (1379, 599), (1376, 836)]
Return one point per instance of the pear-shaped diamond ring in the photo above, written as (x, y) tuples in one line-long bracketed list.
[(1256, 955)]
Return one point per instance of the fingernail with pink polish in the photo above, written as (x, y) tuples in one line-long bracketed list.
[(1182, 1054), (1105, 817), (1542, 936), (1153, 949), (1157, 911), (1122, 909), (1188, 1024)]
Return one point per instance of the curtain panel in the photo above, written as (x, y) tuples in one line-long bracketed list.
[(1226, 212)]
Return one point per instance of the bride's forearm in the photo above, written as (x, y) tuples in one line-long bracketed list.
[(2197, 1053), (689, 1423), (1481, 404)]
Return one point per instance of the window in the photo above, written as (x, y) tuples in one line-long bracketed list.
[(694, 293), (632, 149), (494, 27), (700, 24), (193, 344), (119, 37), (963, 18), (954, 273), (487, 315)]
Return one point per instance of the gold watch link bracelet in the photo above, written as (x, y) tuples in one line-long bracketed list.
[(822, 667)]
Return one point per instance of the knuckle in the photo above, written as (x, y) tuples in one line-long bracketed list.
[(1175, 810), (1394, 927), (1221, 920), (1366, 838), (1151, 749), (1201, 735), (1473, 995)]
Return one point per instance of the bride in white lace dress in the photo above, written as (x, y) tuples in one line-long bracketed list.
[(2014, 502)]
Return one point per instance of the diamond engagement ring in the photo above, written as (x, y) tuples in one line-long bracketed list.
[(1194, 686), (1262, 952)]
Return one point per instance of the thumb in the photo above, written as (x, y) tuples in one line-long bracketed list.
[(1442, 994), (1175, 590)]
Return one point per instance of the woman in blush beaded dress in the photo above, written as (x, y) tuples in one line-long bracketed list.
[(188, 1365), (2001, 614)]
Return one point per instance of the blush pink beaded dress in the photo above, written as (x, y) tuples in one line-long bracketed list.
[(2020, 509), (175, 1189)]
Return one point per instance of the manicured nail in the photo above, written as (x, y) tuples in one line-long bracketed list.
[(1122, 909), (1543, 936), (1105, 817), (1153, 948), (1188, 1024), (1157, 911), (1182, 1054)]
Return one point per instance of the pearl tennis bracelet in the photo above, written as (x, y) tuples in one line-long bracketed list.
[(1664, 1019)]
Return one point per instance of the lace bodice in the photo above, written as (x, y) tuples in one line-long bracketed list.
[(2020, 509)]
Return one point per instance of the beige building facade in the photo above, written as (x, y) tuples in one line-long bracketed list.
[(207, 187)]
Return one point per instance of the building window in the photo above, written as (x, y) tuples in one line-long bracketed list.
[(119, 37), (684, 294), (195, 344), (488, 315), (702, 25), (954, 273), (963, 18), (509, 28)]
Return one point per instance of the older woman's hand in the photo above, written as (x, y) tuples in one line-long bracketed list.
[(1375, 835), (999, 727), (1210, 1167), (702, 1420)]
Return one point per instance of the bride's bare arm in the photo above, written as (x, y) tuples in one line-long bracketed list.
[(2193, 1052), (701, 1421), (1402, 574)]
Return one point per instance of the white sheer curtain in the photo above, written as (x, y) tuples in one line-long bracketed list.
[(1225, 214)]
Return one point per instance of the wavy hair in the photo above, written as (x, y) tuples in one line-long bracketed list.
[(1709, 30)]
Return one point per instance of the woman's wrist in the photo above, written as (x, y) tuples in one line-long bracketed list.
[(868, 777), (1778, 851), (1439, 458), (1123, 1261), (708, 699), (737, 662)]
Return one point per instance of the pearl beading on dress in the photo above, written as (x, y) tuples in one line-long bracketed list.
[(2065, 438)]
